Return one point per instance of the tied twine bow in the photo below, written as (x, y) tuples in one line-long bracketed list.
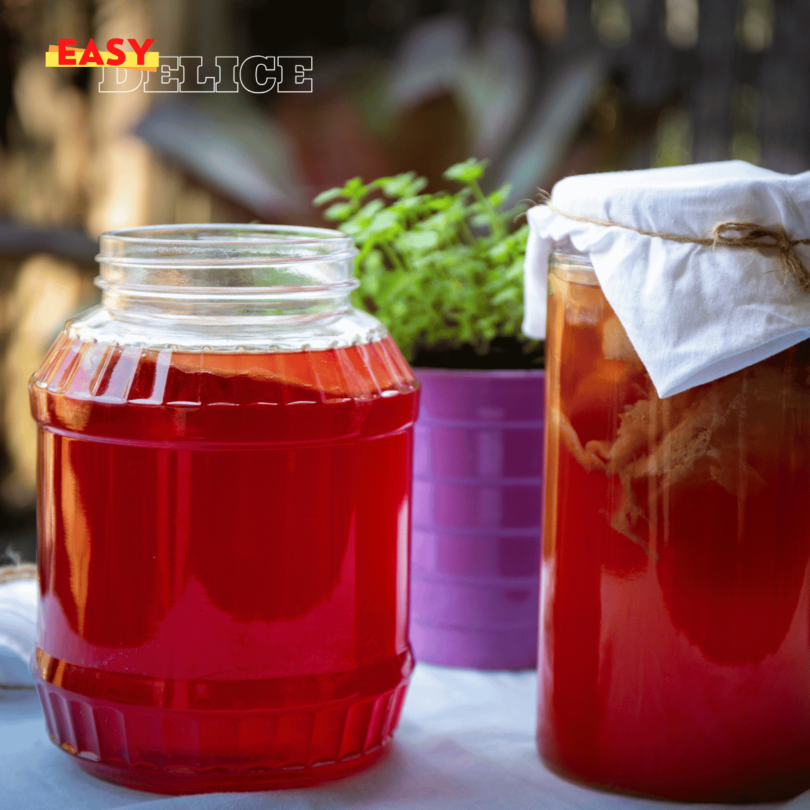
[(735, 235)]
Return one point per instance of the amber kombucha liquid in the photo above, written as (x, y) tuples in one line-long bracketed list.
[(675, 619), (223, 561)]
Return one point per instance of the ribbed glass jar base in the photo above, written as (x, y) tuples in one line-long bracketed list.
[(173, 750)]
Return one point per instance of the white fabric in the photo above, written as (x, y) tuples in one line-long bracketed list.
[(465, 742), (18, 625), (692, 313)]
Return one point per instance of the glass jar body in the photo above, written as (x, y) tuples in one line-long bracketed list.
[(223, 539), (674, 640)]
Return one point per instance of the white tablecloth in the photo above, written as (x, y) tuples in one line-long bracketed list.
[(466, 741)]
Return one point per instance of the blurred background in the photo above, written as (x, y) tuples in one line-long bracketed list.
[(542, 88)]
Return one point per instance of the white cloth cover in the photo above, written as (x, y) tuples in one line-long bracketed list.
[(693, 313)]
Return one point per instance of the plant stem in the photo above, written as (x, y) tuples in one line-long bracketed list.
[(494, 220), (465, 230), (392, 255)]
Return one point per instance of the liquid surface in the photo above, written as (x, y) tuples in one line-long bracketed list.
[(223, 558), (674, 623)]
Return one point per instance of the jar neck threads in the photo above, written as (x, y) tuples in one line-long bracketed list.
[(226, 273)]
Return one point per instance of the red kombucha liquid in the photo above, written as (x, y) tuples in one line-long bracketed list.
[(675, 632), (223, 559)]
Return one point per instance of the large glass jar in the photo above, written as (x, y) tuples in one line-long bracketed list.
[(674, 641), (225, 452)]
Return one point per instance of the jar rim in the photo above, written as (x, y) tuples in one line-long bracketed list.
[(211, 244), (573, 266)]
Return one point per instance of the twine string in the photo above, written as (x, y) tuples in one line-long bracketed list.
[(734, 235)]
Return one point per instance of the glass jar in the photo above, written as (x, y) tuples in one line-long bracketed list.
[(225, 450), (674, 640)]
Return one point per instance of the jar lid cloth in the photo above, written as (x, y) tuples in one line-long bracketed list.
[(704, 265)]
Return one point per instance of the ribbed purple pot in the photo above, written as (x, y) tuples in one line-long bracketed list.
[(477, 508)]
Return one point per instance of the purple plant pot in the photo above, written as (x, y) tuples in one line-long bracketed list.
[(477, 509)]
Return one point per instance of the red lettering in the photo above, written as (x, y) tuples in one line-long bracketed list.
[(91, 55), (65, 53), (120, 56), (141, 49)]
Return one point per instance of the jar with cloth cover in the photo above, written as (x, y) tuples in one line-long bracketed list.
[(675, 606)]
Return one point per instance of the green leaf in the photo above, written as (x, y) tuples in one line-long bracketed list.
[(500, 196), (419, 240), (351, 228), (440, 202), (371, 208), (382, 221), (467, 172), (354, 189), (327, 196), (500, 251), (402, 185), (508, 294), (339, 211)]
